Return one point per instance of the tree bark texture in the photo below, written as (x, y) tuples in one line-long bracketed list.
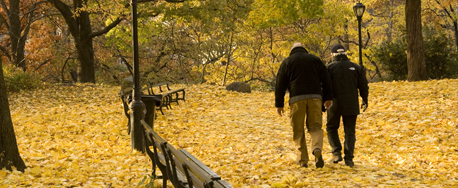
[(85, 49), (9, 152), (416, 63)]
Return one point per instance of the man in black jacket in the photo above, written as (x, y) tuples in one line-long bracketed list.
[(347, 78), (306, 78)]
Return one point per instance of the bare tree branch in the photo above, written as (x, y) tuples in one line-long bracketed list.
[(106, 29), (67, 13), (124, 60), (445, 9), (5, 51), (5, 7), (4, 22), (41, 64)]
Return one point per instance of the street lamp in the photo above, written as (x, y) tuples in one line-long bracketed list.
[(137, 106), (359, 9)]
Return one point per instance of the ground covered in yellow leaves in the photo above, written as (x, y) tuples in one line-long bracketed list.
[(75, 136)]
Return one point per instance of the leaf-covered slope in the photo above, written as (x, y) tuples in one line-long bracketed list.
[(76, 136)]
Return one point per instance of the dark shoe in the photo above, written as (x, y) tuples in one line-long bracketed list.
[(319, 163), (349, 163), (304, 165), (337, 158)]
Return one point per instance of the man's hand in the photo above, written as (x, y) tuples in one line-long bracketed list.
[(327, 104), (364, 105), (280, 111)]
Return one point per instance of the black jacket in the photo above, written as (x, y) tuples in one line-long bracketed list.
[(304, 75), (347, 78)]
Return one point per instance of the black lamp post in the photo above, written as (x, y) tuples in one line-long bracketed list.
[(359, 9), (137, 107)]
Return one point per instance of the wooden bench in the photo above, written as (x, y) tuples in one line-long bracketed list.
[(164, 99), (126, 98), (179, 166), (169, 96)]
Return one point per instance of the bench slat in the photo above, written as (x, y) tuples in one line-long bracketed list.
[(197, 180), (213, 175), (222, 184), (194, 167)]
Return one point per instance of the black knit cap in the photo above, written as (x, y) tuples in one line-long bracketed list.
[(335, 47)]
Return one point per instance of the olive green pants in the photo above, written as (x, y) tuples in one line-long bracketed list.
[(308, 111)]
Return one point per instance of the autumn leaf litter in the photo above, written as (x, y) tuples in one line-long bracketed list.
[(75, 136)]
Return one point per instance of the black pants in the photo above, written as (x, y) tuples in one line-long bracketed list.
[(332, 127)]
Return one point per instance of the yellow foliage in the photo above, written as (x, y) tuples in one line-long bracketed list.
[(76, 136), (2, 174)]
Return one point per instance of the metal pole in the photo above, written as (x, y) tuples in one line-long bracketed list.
[(137, 107), (360, 43)]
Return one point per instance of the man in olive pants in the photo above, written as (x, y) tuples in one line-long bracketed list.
[(306, 78), (347, 79)]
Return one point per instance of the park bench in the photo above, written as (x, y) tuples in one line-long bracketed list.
[(126, 98), (178, 166), (124, 94), (169, 96), (165, 102)]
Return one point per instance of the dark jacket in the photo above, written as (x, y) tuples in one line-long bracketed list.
[(347, 78), (304, 75)]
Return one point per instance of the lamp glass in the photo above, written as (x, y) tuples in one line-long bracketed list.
[(359, 9)]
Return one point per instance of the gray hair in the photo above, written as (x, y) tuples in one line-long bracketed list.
[(296, 44)]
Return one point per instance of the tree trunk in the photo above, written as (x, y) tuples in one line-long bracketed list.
[(18, 32), (227, 67), (86, 58), (202, 78), (15, 31), (455, 31), (9, 152), (229, 56), (346, 36), (390, 22), (253, 64), (80, 28), (416, 63), (271, 36), (83, 44)]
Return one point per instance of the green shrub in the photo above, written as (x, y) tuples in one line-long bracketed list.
[(17, 80), (393, 58), (441, 57)]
